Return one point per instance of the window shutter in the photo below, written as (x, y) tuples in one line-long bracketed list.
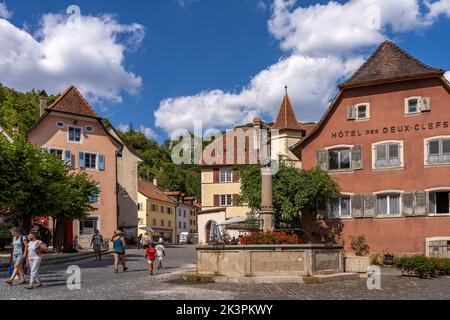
[(235, 176), (216, 175), (357, 206), (235, 199), (216, 200), (425, 104), (101, 162), (351, 113), (408, 204), (421, 203), (322, 159), (68, 158), (357, 158), (431, 202), (369, 205), (81, 159)]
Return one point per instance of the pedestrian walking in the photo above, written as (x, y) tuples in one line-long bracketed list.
[(161, 252), (18, 256), (36, 248), (150, 255), (146, 240), (97, 243), (139, 240), (119, 250)]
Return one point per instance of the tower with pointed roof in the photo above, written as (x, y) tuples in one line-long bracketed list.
[(286, 131)]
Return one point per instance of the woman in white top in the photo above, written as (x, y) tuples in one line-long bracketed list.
[(35, 249)]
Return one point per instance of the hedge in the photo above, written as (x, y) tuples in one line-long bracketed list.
[(424, 267)]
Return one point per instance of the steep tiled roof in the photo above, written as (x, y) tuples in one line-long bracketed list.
[(389, 62), (71, 101), (151, 191), (286, 118)]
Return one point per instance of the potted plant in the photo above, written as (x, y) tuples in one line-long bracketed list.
[(388, 258), (360, 261)]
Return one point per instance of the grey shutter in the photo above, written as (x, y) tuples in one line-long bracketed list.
[(425, 104), (408, 204), (357, 158), (421, 203), (68, 158), (351, 113), (431, 202), (322, 159), (358, 206), (369, 205), (81, 160)]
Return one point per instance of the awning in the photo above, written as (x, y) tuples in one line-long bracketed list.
[(242, 221), (149, 229)]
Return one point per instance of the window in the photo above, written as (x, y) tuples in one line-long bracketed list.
[(162, 223), (169, 223), (169, 210), (153, 207), (74, 134), (162, 209), (362, 111), (140, 206), (88, 225), (56, 152), (179, 224), (439, 202), (388, 204), (438, 151), (60, 124), (154, 221), (339, 159), (226, 200), (90, 160), (340, 207), (388, 155), (184, 225), (226, 175), (95, 198), (184, 213), (89, 129), (179, 212)]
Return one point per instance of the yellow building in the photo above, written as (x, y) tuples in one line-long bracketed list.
[(220, 184), (156, 210)]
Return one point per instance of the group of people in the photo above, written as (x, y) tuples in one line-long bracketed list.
[(26, 255), (28, 251)]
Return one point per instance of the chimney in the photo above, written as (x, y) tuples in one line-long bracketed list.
[(42, 102), (155, 182)]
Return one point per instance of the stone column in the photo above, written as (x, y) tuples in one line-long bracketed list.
[(267, 213)]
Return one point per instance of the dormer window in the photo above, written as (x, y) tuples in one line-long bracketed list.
[(74, 134)]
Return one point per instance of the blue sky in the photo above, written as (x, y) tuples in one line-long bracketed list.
[(221, 61)]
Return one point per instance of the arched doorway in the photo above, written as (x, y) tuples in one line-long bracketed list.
[(211, 232)]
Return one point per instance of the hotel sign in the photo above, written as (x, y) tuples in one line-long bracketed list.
[(408, 128)]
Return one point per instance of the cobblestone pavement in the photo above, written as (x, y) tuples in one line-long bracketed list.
[(98, 281)]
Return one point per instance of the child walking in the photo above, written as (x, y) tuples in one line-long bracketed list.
[(150, 255)]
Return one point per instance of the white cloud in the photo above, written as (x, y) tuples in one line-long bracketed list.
[(447, 75), (4, 12), (88, 55), (148, 132), (324, 45), (437, 9)]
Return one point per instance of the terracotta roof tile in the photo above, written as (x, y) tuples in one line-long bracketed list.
[(389, 62), (286, 118), (151, 191), (71, 101)]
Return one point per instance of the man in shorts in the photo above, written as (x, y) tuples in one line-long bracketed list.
[(161, 252)]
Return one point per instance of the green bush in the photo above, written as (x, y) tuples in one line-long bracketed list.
[(424, 267)]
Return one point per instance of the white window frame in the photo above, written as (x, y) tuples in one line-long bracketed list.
[(340, 216), (400, 154), (58, 149), (435, 190), (81, 134), (426, 149), (367, 111), (226, 198), (62, 126), (419, 98), (339, 146), (390, 193), (89, 126), (228, 175), (96, 160), (96, 227)]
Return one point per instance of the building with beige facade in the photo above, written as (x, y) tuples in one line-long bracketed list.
[(220, 184), (157, 211)]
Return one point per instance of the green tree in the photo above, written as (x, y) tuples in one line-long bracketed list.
[(293, 190), (34, 183)]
